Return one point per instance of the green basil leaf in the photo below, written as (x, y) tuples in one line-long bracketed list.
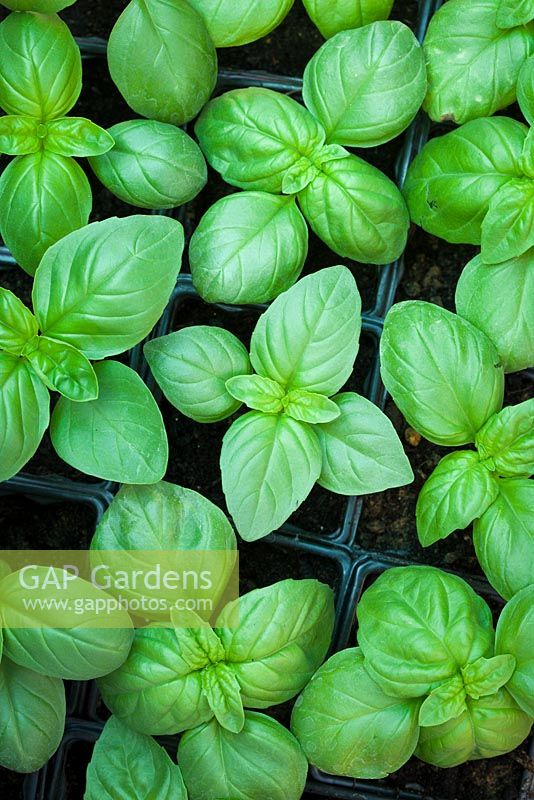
[(443, 374), (342, 711), (346, 14), (19, 135), (269, 464), (124, 761), (526, 160), (308, 337), (231, 23), (264, 760), (525, 90), (40, 66), (361, 451), (451, 182), (508, 227), (310, 407), (485, 675), (172, 700), (175, 68), (192, 367), (345, 206), (509, 321), (458, 491), (514, 636), (366, 85), (507, 440), (64, 369), (151, 165), (248, 248), (43, 6), (504, 538), (70, 646), (32, 717), (24, 413), (512, 13), (472, 64), (103, 288), (223, 693), (417, 625), (261, 394), (76, 136), (253, 136), (490, 727), (18, 326), (43, 197), (445, 702), (275, 638), (118, 437)]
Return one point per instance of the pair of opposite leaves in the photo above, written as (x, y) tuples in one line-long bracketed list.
[(447, 379), (97, 292), (300, 430), (429, 676)]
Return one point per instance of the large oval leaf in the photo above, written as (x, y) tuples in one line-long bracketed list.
[(451, 183), (103, 288), (254, 136), (443, 373), (361, 451), (418, 625), (118, 437), (473, 65), (366, 85), (152, 165), (43, 197), (504, 538), (24, 414), (491, 726), (175, 67), (458, 491), (308, 337), (275, 638), (508, 321), (248, 248), (356, 211), (514, 636), (269, 464), (342, 15), (192, 366), (172, 700), (40, 66), (264, 760), (342, 711), (236, 22), (32, 717), (126, 761)]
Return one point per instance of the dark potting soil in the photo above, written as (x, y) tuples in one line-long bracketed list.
[(27, 524)]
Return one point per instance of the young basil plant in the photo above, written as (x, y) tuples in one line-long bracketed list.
[(300, 430), (248, 248), (474, 51), (446, 378), (426, 677), (262, 140), (35, 658), (97, 292), (44, 193), (262, 760), (167, 518), (333, 16), (135, 763), (162, 59), (151, 165), (180, 677)]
